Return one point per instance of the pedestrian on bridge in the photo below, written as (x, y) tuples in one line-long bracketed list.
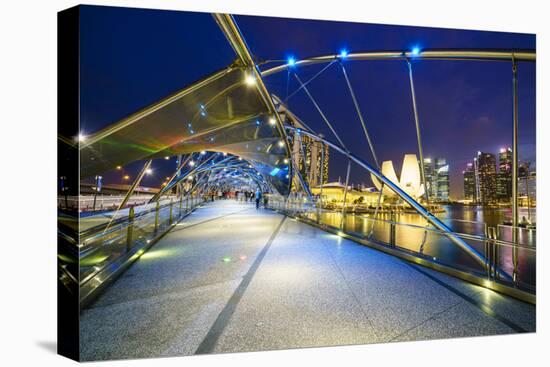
[(258, 197)]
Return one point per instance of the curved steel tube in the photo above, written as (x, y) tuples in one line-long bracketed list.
[(417, 206), (478, 55)]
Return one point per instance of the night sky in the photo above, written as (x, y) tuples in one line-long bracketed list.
[(131, 58)]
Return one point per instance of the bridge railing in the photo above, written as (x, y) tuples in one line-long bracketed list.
[(106, 249), (416, 241)]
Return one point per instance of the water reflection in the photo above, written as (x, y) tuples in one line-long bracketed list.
[(461, 219)]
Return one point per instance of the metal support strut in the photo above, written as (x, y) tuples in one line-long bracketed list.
[(418, 136), (515, 171)]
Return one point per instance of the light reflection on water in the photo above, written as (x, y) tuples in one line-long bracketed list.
[(439, 246)]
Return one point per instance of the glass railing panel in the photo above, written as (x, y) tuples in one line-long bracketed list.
[(412, 234)]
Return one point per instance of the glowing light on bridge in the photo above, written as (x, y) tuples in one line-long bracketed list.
[(250, 80), (192, 163), (148, 171), (81, 137), (343, 53), (415, 51), (272, 120), (291, 61)]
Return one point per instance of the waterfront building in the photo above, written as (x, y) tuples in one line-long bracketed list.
[(504, 177), (311, 157), (442, 179), (486, 178), (333, 194), (313, 160), (527, 186), (409, 180), (429, 175), (470, 184)]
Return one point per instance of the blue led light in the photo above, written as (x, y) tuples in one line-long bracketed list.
[(203, 113), (257, 122), (274, 171), (291, 61), (415, 51), (343, 53)]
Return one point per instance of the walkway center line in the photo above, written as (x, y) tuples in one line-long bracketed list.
[(213, 335)]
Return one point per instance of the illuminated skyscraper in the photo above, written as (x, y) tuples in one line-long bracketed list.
[(470, 183), (442, 178), (504, 179), (486, 178), (311, 158), (316, 161), (431, 181)]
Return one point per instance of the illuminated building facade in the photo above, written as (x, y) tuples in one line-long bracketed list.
[(429, 175), (527, 186), (504, 178), (442, 178), (409, 180), (312, 160), (486, 178), (436, 173), (470, 183)]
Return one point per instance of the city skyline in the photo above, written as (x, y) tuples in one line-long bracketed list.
[(465, 101)]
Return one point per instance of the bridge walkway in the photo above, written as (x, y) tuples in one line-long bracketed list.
[(230, 278)]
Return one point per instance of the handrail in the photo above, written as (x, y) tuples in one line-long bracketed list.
[(116, 224), (468, 236), (434, 54)]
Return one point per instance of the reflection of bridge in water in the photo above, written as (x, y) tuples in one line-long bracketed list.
[(221, 276)]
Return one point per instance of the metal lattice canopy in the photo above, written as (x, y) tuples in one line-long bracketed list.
[(223, 112)]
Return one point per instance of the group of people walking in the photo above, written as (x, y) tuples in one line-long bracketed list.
[(242, 196), (250, 196)]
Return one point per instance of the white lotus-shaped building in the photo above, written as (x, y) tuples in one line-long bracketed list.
[(409, 180)]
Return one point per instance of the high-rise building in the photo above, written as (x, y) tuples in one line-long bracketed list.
[(470, 183), (486, 178), (504, 178), (429, 175), (311, 158), (527, 186), (436, 174), (442, 178)]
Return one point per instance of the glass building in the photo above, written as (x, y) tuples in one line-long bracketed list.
[(504, 179), (429, 174), (486, 178), (442, 179), (470, 183)]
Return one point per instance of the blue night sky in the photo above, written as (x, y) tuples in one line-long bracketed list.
[(131, 58)]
